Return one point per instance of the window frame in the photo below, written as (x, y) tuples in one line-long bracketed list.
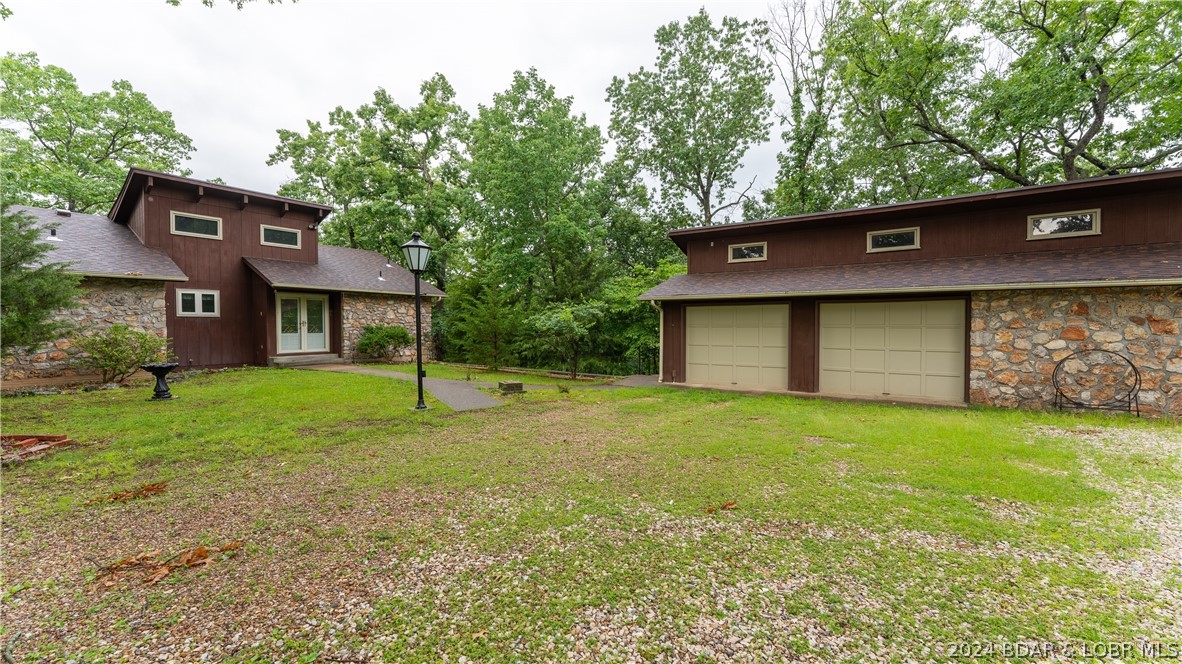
[(730, 252), (263, 235), (172, 215), (870, 248), (1030, 219), (197, 293)]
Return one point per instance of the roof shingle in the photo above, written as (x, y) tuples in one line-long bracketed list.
[(95, 246), (341, 269)]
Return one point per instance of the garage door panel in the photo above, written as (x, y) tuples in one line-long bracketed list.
[(869, 360), (836, 358), (720, 375), (911, 349), (747, 336), (910, 385), (949, 388), (943, 339), (869, 382), (748, 356), (870, 314), (905, 361), (908, 338), (905, 313), (869, 337), (740, 345), (837, 381), (949, 313), (837, 337), (944, 363)]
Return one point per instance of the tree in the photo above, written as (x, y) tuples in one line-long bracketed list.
[(32, 288), (533, 165), (563, 331), (632, 325), (386, 170), (72, 149), (1081, 89), (481, 324), (690, 120)]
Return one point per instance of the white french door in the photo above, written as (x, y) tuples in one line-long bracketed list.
[(302, 321)]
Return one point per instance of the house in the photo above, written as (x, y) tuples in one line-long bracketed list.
[(965, 299), (233, 277)]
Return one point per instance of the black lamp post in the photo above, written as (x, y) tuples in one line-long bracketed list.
[(416, 252)]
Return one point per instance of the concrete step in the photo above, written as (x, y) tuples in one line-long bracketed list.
[(303, 360)]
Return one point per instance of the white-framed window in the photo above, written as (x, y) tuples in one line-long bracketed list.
[(895, 239), (746, 253), (195, 225), (277, 236), (201, 303), (1063, 224)]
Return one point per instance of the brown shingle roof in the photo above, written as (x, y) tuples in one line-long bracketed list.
[(95, 246), (341, 269), (1128, 265)]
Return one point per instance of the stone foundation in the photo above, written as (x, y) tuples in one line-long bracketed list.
[(104, 302), (361, 309), (1017, 337)]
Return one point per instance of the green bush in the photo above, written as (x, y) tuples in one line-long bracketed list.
[(119, 351), (383, 341)]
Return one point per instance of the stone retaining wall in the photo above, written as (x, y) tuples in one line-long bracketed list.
[(361, 309), (104, 302), (1017, 337)]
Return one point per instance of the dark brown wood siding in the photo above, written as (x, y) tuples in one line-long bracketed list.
[(211, 264), (136, 221), (673, 346), (802, 346), (1125, 220)]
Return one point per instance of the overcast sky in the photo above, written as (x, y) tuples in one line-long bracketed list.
[(231, 78)]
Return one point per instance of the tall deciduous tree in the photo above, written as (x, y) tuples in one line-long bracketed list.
[(533, 164), (1079, 88), (70, 149), (387, 170), (691, 118), (32, 287)]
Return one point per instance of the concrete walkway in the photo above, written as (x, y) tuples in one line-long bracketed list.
[(457, 394)]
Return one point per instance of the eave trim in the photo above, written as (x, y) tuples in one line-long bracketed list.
[(139, 277)]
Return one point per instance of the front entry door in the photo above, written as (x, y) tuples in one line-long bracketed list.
[(303, 323)]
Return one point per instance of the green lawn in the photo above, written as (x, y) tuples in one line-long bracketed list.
[(585, 525), (453, 372)]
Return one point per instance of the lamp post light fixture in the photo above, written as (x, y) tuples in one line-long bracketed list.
[(416, 252)]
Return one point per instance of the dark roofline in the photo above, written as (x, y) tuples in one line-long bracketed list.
[(135, 174), (1001, 195)]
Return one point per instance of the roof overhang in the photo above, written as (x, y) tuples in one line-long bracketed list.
[(140, 277), (917, 291)]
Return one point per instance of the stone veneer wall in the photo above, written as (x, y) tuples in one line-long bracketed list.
[(361, 309), (104, 302), (1018, 336)]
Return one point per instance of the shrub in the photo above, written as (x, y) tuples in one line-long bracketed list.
[(119, 351), (383, 341)]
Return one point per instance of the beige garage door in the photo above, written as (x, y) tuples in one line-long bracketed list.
[(904, 349), (740, 346)]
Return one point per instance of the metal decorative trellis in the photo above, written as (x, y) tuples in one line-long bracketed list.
[(1097, 380)]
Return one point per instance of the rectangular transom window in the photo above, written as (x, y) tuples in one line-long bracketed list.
[(205, 303), (276, 236), (743, 253), (1062, 224), (896, 239), (196, 225)]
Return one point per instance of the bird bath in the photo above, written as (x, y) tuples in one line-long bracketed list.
[(160, 370)]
